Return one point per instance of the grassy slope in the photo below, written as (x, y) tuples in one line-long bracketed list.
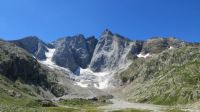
[(173, 77), (13, 103)]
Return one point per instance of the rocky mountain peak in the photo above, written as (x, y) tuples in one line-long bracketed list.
[(108, 36), (107, 32)]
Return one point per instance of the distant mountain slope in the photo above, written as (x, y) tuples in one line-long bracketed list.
[(33, 45), (18, 65)]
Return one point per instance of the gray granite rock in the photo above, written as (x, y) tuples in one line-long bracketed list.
[(110, 52), (74, 52)]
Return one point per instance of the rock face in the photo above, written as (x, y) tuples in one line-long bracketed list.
[(74, 52), (111, 51), (158, 44), (33, 45)]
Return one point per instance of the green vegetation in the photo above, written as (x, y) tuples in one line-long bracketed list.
[(82, 103), (78, 102), (185, 85)]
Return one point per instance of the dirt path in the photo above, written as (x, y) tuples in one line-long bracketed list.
[(121, 104)]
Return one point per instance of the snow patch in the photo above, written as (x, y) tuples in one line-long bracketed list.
[(171, 47), (143, 55)]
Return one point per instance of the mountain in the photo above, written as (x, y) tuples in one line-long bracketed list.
[(158, 70)]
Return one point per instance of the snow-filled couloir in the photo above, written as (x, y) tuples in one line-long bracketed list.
[(48, 60)]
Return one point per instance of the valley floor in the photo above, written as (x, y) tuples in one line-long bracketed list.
[(122, 105)]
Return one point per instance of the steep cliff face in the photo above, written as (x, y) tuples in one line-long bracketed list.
[(16, 63), (74, 52), (33, 45), (111, 50), (91, 44)]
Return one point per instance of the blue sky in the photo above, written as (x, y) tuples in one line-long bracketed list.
[(135, 19)]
